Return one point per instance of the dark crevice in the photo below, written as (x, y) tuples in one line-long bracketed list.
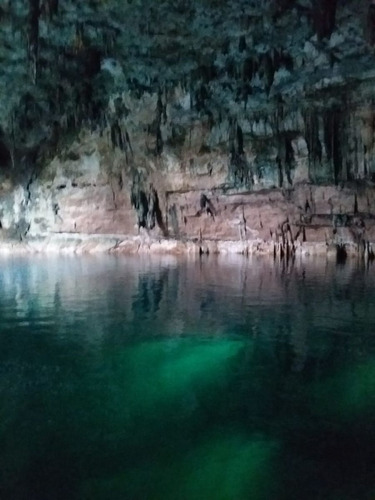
[(28, 188), (148, 208), (160, 114), (5, 156), (280, 170), (341, 254), (140, 202), (240, 149), (207, 206), (324, 17)]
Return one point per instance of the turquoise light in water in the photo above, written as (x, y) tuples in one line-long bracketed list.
[(201, 380), (220, 467)]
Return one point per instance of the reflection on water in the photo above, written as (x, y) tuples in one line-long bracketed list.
[(130, 378)]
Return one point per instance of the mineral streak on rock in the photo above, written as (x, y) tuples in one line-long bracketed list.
[(206, 126)]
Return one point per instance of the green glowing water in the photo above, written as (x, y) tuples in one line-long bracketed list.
[(170, 380)]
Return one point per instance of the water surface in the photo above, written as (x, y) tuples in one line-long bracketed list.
[(223, 379)]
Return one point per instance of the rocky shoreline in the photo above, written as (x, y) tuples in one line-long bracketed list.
[(116, 244)]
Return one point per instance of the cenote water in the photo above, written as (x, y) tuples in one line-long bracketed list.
[(163, 379)]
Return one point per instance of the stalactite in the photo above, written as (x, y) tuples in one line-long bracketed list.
[(355, 208), (242, 43), (332, 139), (268, 72), (284, 159), (314, 145), (159, 142), (116, 136), (13, 141), (248, 69), (79, 38), (324, 17), (147, 207), (158, 120), (33, 36), (238, 165), (370, 28), (279, 7), (365, 170), (201, 97), (289, 153), (282, 59), (49, 8), (280, 171), (240, 140), (140, 202)]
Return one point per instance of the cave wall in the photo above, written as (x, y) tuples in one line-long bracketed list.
[(250, 124)]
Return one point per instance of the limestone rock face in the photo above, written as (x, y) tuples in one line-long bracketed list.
[(242, 126)]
